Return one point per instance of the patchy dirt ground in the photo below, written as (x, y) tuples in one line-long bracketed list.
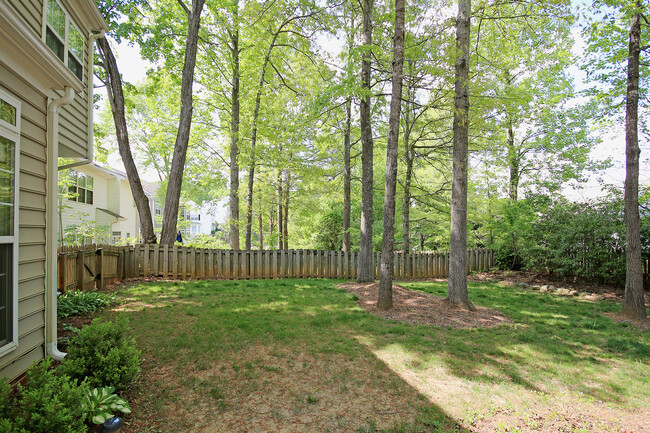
[(419, 308), (269, 389)]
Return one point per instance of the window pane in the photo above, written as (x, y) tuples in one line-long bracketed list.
[(6, 220), (54, 43), (6, 293), (75, 67), (7, 154), (75, 42), (81, 195), (81, 180), (56, 18), (89, 182), (7, 112), (6, 188), (89, 196), (72, 192)]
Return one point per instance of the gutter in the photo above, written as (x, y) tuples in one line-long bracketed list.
[(51, 229)]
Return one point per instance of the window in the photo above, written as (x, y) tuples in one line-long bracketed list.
[(81, 187), (195, 217), (63, 38), (195, 230), (9, 141)]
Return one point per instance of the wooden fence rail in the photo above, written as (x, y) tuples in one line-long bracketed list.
[(94, 266)]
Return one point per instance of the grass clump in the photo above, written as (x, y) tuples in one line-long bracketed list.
[(103, 354), (77, 302)]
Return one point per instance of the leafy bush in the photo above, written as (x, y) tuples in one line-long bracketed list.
[(50, 402), (103, 354), (76, 302)]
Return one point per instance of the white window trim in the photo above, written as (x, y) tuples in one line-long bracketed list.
[(66, 46), (13, 133)]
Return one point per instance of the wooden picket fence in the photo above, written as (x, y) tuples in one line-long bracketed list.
[(95, 266)]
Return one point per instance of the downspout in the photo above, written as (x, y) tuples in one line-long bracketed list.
[(89, 86), (51, 229)]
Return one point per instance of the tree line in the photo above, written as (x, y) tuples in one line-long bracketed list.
[(316, 119)]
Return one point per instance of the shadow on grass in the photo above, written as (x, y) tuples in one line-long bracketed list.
[(188, 328)]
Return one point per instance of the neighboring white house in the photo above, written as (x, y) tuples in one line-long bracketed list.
[(101, 198)]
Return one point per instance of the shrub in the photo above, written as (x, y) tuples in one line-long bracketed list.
[(76, 302), (103, 354), (50, 402)]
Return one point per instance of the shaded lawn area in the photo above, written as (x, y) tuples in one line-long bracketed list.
[(301, 355)]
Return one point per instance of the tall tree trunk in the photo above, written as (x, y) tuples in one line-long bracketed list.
[(408, 175), (633, 303), (280, 214), (259, 220), (365, 271), (116, 99), (234, 137), (285, 225), (457, 287), (170, 216), (513, 163), (347, 176), (385, 296), (251, 168)]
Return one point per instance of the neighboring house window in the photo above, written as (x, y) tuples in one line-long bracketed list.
[(195, 217), (81, 187), (9, 141), (157, 210), (195, 229), (116, 236), (63, 38)]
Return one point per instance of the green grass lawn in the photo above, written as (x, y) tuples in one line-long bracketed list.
[(301, 355)]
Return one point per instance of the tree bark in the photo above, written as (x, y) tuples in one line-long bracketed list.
[(408, 174), (633, 303), (385, 295), (170, 216), (347, 177), (280, 214), (513, 163), (116, 99), (234, 139), (259, 220), (285, 226), (365, 271), (457, 287)]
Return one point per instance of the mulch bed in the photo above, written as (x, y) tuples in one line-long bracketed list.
[(411, 306)]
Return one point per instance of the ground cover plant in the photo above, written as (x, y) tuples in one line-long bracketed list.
[(79, 302), (302, 355)]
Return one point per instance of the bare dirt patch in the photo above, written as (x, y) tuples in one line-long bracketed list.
[(272, 389), (411, 306)]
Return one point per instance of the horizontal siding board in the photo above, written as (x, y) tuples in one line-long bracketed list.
[(23, 359), (31, 253), (31, 270), (31, 11), (29, 288), (32, 235), (32, 182), (34, 149), (29, 164), (30, 306), (32, 200), (35, 217), (21, 89), (31, 323)]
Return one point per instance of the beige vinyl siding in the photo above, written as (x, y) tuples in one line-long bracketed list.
[(31, 231), (74, 118), (31, 11)]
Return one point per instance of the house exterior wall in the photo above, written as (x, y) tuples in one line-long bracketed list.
[(130, 227), (31, 11), (31, 230)]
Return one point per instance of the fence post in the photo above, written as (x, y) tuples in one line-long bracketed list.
[(80, 270), (99, 274), (62, 271)]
